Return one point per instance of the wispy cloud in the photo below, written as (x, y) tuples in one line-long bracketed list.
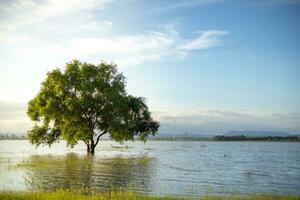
[(206, 39), (130, 50), (275, 2), (46, 34), (25, 21), (185, 4), (29, 31), (27, 12), (69, 29)]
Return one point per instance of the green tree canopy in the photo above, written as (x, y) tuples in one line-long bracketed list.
[(83, 102)]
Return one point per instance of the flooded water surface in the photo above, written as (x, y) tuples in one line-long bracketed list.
[(157, 167)]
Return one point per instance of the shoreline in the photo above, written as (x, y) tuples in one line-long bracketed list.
[(189, 140)]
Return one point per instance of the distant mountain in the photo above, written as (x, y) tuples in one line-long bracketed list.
[(181, 137), (256, 133)]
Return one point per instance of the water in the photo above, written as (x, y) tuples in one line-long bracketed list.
[(157, 167)]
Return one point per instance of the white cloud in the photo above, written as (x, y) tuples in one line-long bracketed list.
[(185, 4), (28, 21), (22, 13), (68, 29), (108, 23), (29, 32), (276, 2), (126, 50), (129, 50), (206, 39), (36, 36)]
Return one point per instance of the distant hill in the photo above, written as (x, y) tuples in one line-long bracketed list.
[(256, 133), (181, 136)]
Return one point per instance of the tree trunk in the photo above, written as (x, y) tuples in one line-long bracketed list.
[(91, 149), (88, 148), (92, 144)]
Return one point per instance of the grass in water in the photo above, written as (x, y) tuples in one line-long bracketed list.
[(120, 195), (121, 146)]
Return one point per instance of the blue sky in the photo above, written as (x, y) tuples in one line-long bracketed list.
[(211, 65)]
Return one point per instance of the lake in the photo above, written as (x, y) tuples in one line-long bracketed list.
[(158, 167)]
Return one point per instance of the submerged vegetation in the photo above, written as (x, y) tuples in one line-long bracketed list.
[(121, 146), (73, 172), (118, 195), (12, 137)]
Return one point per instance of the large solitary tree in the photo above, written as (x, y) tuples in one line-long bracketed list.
[(83, 102)]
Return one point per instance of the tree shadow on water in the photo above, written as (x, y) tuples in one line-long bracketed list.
[(72, 171)]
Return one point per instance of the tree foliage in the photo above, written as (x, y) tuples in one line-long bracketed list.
[(84, 101)]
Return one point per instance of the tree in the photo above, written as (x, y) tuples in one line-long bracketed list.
[(83, 102)]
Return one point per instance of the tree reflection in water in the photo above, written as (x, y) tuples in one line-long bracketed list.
[(73, 171)]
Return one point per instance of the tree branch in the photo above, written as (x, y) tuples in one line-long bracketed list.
[(85, 142), (99, 137)]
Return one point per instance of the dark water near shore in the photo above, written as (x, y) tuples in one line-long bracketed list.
[(157, 167)]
